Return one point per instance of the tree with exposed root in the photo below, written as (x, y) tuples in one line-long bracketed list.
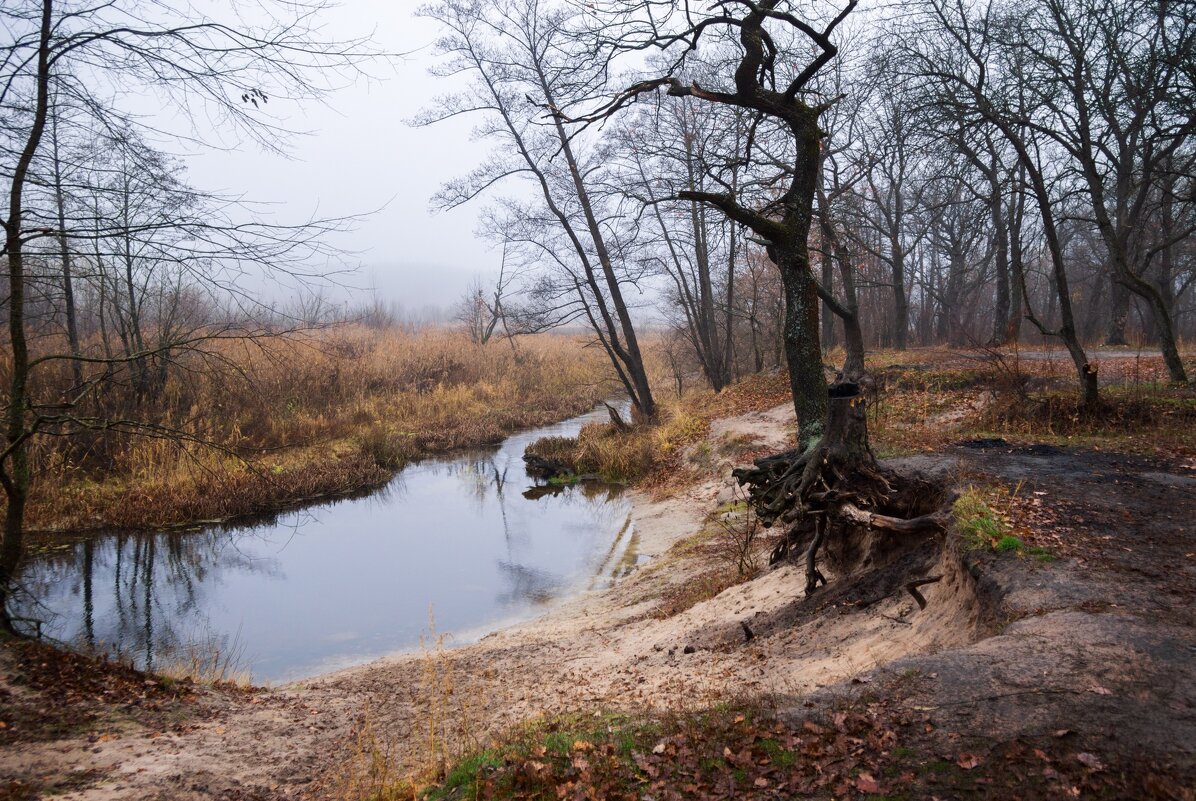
[(831, 482)]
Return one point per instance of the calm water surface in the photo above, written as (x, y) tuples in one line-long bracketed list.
[(461, 539)]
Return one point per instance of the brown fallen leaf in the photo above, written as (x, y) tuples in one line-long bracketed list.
[(865, 783), (968, 761), (1090, 761)]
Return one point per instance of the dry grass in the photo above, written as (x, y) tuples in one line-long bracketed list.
[(928, 398), (650, 454), (298, 419), (449, 726)]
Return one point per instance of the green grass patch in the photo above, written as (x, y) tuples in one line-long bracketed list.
[(1008, 544), (534, 758), (461, 781), (978, 524), (1040, 554), (780, 756)]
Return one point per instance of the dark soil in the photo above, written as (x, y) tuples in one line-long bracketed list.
[(1088, 688)]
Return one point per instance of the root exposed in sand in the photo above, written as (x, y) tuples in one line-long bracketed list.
[(836, 490)]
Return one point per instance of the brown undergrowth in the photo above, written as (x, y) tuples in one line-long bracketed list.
[(925, 399), (289, 420), (872, 747), (653, 455)]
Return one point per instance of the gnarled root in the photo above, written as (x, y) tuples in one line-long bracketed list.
[(832, 488), (813, 577)]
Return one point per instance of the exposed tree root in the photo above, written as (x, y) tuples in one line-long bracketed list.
[(834, 490), (912, 589)]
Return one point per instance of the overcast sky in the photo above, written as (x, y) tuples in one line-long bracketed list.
[(360, 154)]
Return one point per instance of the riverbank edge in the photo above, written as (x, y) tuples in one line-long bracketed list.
[(296, 740), (363, 475)]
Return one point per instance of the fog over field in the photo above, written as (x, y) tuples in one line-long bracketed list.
[(360, 155)]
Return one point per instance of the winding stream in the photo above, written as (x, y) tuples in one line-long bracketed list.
[(459, 540)]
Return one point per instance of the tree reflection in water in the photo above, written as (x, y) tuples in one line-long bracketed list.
[(345, 580), (150, 589)]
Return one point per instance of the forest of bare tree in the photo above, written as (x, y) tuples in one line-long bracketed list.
[(851, 291)]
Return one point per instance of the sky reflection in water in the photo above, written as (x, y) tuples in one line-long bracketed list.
[(344, 582)]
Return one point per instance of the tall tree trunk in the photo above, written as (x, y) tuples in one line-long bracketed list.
[(68, 289), (1119, 313), (729, 308), (828, 281), (14, 466), (643, 405), (1017, 269), (900, 300), (803, 353), (849, 310), (1001, 312)]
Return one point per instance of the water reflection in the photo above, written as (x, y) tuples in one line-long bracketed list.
[(138, 594), (337, 584)]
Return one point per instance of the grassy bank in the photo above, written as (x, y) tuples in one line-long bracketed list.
[(654, 455), (919, 400), (284, 421), (928, 398)]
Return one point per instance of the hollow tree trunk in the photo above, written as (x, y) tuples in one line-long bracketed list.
[(846, 438)]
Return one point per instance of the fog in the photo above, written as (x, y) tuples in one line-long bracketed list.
[(357, 153)]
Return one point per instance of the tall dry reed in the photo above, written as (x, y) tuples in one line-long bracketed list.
[(251, 425)]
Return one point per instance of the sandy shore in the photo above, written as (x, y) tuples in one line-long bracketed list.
[(608, 648)]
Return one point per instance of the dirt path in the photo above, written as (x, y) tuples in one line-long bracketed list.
[(1098, 644)]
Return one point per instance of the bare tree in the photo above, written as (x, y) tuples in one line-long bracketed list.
[(523, 64), (480, 311), (204, 68)]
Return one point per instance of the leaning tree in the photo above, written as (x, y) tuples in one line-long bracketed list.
[(831, 482)]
